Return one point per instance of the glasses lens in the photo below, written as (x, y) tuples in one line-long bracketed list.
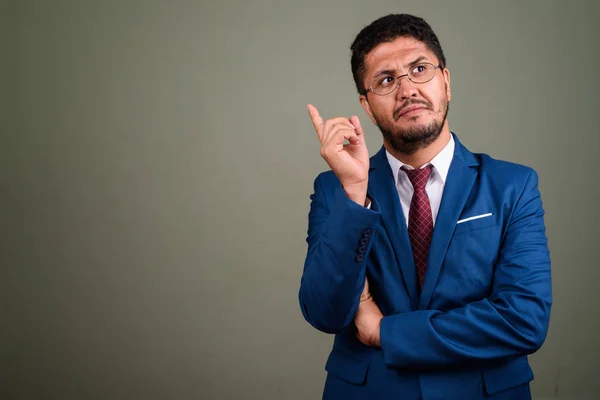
[(422, 73), (384, 84)]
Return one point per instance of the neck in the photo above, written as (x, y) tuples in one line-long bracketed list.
[(424, 155)]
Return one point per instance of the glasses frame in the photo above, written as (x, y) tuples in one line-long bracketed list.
[(435, 68)]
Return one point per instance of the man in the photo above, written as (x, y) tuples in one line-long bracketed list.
[(428, 262)]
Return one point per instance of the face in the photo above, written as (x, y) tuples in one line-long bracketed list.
[(413, 116)]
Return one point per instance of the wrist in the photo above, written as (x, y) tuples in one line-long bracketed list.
[(358, 193)]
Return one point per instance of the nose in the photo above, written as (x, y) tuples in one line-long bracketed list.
[(406, 88)]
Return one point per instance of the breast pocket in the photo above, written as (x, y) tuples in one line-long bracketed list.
[(479, 222), (469, 263)]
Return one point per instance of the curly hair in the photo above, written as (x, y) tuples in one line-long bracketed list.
[(387, 29)]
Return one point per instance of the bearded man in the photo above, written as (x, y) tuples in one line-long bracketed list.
[(429, 263)]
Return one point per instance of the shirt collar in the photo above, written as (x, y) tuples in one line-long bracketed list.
[(441, 162)]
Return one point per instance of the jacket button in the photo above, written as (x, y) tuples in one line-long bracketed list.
[(367, 233), (361, 249), (359, 258), (364, 241)]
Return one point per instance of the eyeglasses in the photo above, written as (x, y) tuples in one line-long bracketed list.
[(386, 84)]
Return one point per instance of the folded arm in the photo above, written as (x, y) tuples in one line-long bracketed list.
[(512, 321)]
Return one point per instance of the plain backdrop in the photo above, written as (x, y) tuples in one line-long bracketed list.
[(157, 161)]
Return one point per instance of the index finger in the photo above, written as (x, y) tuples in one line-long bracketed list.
[(315, 118)]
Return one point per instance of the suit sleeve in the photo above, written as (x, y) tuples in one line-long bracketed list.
[(511, 322), (340, 234)]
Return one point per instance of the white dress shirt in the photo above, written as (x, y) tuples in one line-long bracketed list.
[(435, 184)]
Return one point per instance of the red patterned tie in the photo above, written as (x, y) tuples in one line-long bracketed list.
[(420, 219)]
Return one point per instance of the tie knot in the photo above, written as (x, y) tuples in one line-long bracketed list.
[(418, 177)]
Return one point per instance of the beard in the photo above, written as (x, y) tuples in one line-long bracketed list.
[(409, 140)]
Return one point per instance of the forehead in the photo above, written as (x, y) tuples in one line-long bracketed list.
[(396, 54)]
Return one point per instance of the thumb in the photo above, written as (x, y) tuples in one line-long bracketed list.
[(356, 123)]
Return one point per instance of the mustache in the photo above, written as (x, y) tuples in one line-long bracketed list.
[(407, 103)]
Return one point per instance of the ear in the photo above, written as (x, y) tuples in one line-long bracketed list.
[(446, 73), (364, 102)]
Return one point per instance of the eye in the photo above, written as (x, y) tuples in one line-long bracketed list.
[(386, 81), (419, 69)]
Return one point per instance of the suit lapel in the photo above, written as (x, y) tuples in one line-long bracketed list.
[(383, 188), (457, 188)]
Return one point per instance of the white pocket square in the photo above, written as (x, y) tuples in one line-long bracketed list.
[(474, 217)]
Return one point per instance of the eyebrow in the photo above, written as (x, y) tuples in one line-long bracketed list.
[(385, 72), (393, 71), (417, 60)]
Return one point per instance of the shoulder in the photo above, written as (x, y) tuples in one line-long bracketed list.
[(502, 169), (496, 169), (508, 178)]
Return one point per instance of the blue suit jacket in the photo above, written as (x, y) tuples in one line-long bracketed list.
[(485, 303)]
